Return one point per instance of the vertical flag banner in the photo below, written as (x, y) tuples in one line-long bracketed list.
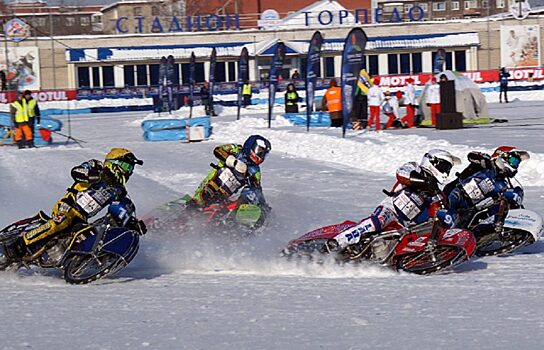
[(312, 69), (439, 61), (275, 71), (170, 81), (352, 62), (242, 76), (162, 83), (191, 82), (211, 79)]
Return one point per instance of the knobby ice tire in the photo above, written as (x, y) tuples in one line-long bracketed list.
[(510, 241), (422, 263), (82, 269)]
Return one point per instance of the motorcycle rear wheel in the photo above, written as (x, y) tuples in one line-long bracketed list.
[(422, 263), (505, 243), (82, 269)]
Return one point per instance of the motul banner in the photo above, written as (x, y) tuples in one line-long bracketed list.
[(42, 96)]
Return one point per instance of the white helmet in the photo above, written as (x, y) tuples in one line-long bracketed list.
[(438, 163)]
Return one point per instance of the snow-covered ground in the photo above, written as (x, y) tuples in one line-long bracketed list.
[(186, 290)]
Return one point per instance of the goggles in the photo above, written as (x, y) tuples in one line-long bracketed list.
[(514, 161), (127, 167), (443, 166)]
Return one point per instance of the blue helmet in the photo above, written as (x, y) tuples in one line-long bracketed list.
[(256, 148)]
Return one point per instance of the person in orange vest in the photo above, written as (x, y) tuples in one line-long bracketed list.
[(19, 117), (333, 101)]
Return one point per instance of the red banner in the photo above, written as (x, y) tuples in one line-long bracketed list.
[(479, 76), (42, 96)]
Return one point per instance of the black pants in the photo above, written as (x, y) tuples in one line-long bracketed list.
[(291, 108), (247, 100), (359, 113), (503, 89)]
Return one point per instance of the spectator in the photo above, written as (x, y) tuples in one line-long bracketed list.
[(410, 103), (19, 117), (359, 113), (433, 99), (3, 83), (375, 99), (332, 100), (205, 97), (295, 75), (390, 106), (503, 78), (291, 99), (33, 111), (246, 93)]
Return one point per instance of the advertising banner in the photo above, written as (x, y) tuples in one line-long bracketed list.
[(275, 72), (191, 82), (520, 46), (313, 62), (23, 72), (439, 61), (211, 79), (243, 76), (352, 62)]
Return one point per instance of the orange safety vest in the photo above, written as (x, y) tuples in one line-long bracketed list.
[(334, 99)]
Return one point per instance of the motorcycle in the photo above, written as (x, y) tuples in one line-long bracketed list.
[(244, 210), (502, 225), (422, 249), (86, 253)]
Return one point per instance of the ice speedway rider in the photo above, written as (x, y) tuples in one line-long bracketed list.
[(414, 199), (96, 186), (244, 161), (487, 177)]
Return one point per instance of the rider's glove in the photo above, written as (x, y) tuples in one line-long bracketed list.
[(137, 225), (236, 164)]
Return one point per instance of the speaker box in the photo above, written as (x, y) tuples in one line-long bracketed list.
[(445, 121), (447, 96)]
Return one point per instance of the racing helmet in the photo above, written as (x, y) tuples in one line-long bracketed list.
[(256, 148), (121, 163), (438, 163), (507, 159)]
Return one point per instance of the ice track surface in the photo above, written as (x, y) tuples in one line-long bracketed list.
[(187, 290)]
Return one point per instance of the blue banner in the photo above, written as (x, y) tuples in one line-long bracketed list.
[(170, 72), (162, 83), (191, 82), (439, 61), (211, 79), (243, 76), (313, 60), (275, 72), (353, 60)]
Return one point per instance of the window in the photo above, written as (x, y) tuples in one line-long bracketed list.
[(373, 65), (484, 4), (499, 4), (220, 72), (460, 61), (471, 4), (141, 75), (449, 62), (199, 72), (407, 8), (83, 77), (153, 74), (329, 67), (40, 21), (96, 76), (85, 21), (439, 6), (69, 21), (137, 11), (232, 71), (405, 63), (417, 66), (424, 6), (108, 77), (128, 74), (393, 63), (155, 11), (175, 80), (185, 73), (455, 5)]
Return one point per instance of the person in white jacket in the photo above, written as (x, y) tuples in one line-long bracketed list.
[(375, 99), (433, 99), (390, 107), (410, 103)]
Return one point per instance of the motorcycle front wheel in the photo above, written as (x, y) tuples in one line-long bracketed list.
[(426, 262), (82, 269)]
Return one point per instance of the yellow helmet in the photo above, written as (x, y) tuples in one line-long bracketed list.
[(121, 162)]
